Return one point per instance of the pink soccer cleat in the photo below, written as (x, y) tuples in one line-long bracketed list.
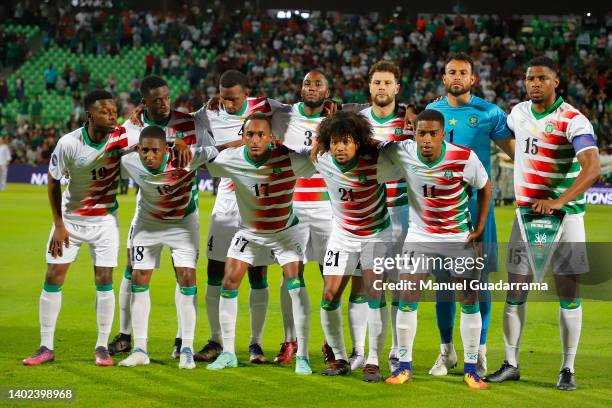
[(41, 356), (103, 358)]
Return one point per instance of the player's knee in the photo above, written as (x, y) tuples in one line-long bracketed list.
[(230, 282), (185, 277), (104, 276), (56, 273)]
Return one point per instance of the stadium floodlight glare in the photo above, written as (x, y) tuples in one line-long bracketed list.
[(589, 14), (305, 15)]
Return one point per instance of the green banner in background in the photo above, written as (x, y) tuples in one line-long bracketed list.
[(541, 233)]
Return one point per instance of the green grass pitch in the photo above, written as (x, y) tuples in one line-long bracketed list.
[(25, 223)]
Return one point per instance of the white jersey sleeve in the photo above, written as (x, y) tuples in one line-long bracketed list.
[(202, 155), (62, 154), (579, 125), (388, 164), (301, 164), (474, 172)]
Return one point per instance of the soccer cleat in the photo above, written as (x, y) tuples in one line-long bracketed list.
[(328, 354), (371, 373), (138, 357), (103, 357), (286, 353), (356, 360), (209, 352), (567, 380), (399, 376), (225, 360), (186, 359), (121, 343), (302, 366), (474, 382), (481, 365), (176, 349), (393, 364), (41, 356), (505, 373), (337, 367), (443, 363), (256, 354)]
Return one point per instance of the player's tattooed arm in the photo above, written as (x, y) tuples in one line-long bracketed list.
[(591, 169), (60, 234), (135, 116), (484, 200)]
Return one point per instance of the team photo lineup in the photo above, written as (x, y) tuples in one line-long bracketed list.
[(313, 181), (386, 219)]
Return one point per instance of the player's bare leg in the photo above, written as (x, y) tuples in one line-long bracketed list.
[(377, 321), (50, 304), (259, 297), (570, 326), (187, 308), (228, 313), (331, 319), (358, 320), (470, 327), (515, 313), (214, 346), (406, 324), (301, 314), (141, 309)]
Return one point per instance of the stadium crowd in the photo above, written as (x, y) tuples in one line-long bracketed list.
[(199, 44)]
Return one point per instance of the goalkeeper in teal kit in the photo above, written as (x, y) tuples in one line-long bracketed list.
[(471, 122)]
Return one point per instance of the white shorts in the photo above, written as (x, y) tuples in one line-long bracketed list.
[(399, 229), (149, 238), (570, 257), (284, 246), (348, 256), (315, 226), (224, 224), (102, 237)]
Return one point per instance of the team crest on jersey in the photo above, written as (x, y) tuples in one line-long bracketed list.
[(473, 121), (179, 135), (363, 178), (448, 174), (298, 248), (54, 160), (277, 170), (398, 131), (549, 127)]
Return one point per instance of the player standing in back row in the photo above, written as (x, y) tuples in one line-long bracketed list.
[(556, 161)]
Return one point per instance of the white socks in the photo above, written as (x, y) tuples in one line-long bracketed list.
[(470, 325), (141, 308), (187, 304), (287, 312), (514, 323), (378, 318), (331, 320), (406, 332), (358, 322), (228, 313), (105, 312), (258, 305), (394, 341), (213, 293), (570, 326), (49, 307), (301, 314), (125, 318), (177, 305)]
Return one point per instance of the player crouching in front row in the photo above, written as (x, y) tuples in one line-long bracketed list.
[(166, 214)]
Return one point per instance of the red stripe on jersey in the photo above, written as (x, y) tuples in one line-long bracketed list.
[(176, 202), (178, 213), (463, 154), (308, 196), (269, 225), (310, 183), (548, 167), (532, 192), (441, 202), (92, 212), (263, 201), (277, 188), (537, 179), (91, 202), (364, 192), (438, 230), (454, 167), (569, 114), (438, 214), (189, 140), (257, 105), (361, 233), (272, 212), (553, 139)]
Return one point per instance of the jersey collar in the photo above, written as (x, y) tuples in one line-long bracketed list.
[(89, 142), (151, 123), (158, 171), (345, 167), (548, 111), (385, 119), (260, 162), (435, 162), (301, 110)]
